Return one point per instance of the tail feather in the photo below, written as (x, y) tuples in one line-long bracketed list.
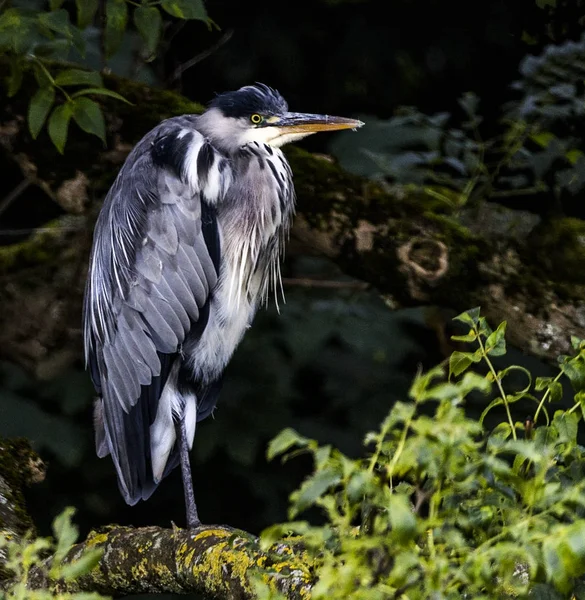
[(143, 442)]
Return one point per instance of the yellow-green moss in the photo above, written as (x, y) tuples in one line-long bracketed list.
[(238, 557)]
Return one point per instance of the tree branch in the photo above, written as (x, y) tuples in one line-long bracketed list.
[(215, 561)]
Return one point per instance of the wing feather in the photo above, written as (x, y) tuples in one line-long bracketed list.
[(149, 265), (190, 269), (151, 275), (185, 295)]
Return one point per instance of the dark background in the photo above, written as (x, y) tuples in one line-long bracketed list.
[(334, 360)]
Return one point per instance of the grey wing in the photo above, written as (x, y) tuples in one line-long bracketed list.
[(154, 263)]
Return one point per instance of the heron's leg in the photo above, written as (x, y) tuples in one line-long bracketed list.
[(190, 506)]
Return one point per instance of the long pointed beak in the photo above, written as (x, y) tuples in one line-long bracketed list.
[(307, 123)]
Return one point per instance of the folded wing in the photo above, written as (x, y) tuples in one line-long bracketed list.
[(154, 262)]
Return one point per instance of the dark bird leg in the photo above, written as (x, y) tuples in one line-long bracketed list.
[(190, 506)]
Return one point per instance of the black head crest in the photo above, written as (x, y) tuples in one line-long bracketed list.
[(258, 98)]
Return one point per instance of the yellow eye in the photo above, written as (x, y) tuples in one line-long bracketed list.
[(255, 118)]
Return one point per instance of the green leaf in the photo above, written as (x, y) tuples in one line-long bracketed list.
[(574, 539), (55, 4), (79, 77), (496, 342), (284, 441), (525, 448), (359, 485), (473, 381), (86, 10), (567, 425), (553, 564), (148, 22), (554, 388), (556, 391), (574, 369), (57, 20), (100, 92), (313, 488), (14, 79), (116, 21), (470, 317), (65, 532), (321, 456), (542, 383), (423, 380), (11, 18), (185, 9), (42, 77), (275, 533), (59, 125), (402, 518), (459, 362), (39, 108), (78, 41), (57, 49), (469, 337), (83, 565), (484, 327), (16, 31), (88, 115)]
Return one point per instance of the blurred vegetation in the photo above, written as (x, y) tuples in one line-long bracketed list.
[(441, 507), (27, 554), (539, 150)]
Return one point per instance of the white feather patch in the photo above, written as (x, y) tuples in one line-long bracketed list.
[(190, 417), (191, 161), (162, 431)]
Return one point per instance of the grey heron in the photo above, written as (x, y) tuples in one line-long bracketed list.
[(187, 245)]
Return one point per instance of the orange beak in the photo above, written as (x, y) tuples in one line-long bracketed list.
[(307, 123)]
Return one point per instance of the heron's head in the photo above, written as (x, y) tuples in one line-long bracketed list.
[(257, 113)]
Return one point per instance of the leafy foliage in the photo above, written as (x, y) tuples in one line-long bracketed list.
[(41, 40), (539, 149), (27, 554), (552, 106), (442, 508)]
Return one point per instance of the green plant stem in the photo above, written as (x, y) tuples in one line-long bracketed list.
[(573, 408), (48, 74), (379, 442), (400, 448), (499, 384), (545, 396), (435, 498)]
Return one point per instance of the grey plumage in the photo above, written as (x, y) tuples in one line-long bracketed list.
[(187, 244)]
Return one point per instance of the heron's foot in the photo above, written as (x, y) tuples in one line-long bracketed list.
[(193, 521)]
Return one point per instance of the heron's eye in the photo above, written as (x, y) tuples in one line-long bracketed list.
[(256, 118)]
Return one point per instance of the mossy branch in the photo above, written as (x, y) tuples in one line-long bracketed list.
[(414, 248), (214, 561)]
